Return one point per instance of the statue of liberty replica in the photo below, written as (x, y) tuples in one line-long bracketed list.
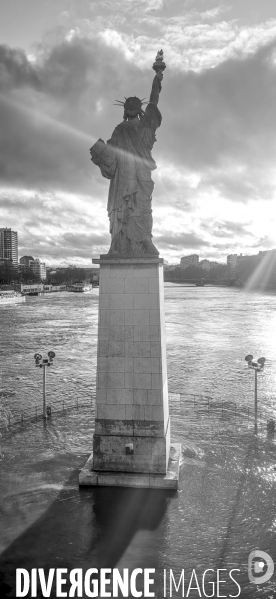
[(127, 161), (131, 440)]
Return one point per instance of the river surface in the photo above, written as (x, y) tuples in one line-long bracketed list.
[(225, 506)]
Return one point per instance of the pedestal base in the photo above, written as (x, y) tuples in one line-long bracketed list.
[(93, 478)]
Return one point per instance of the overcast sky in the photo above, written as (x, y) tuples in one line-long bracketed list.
[(63, 63)]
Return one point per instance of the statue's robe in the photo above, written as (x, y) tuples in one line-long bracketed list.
[(126, 160)]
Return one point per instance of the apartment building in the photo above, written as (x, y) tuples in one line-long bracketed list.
[(38, 268), (9, 245), (191, 260)]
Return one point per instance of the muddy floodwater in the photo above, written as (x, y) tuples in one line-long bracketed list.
[(225, 505)]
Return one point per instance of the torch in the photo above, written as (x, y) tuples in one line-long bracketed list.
[(159, 65)]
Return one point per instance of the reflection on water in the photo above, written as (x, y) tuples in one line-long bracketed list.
[(225, 504)]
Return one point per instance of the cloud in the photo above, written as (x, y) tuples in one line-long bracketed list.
[(219, 115), (84, 241), (216, 142), (56, 226), (193, 44), (226, 229), (223, 114), (183, 241), (54, 110), (16, 69)]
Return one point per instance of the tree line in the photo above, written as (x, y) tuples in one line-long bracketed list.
[(220, 272), (259, 271), (10, 274)]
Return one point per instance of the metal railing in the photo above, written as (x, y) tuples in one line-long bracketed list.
[(195, 405), (27, 415), (221, 409)]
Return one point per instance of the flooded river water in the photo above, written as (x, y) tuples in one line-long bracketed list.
[(225, 506)]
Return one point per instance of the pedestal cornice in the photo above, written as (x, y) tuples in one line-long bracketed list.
[(114, 259)]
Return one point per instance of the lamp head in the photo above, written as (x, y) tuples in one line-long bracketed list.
[(261, 361)]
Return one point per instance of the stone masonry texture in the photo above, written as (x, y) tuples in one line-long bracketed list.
[(132, 429)]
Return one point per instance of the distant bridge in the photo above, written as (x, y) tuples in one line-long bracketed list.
[(200, 282)]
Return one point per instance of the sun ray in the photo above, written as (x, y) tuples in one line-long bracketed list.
[(262, 273), (45, 118), (63, 128)]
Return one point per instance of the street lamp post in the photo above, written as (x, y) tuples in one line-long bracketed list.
[(257, 367), (41, 362)]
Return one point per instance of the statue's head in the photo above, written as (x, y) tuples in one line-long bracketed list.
[(133, 107)]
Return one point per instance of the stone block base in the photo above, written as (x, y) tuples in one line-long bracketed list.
[(149, 455), (89, 477)]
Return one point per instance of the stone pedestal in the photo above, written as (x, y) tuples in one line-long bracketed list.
[(131, 443)]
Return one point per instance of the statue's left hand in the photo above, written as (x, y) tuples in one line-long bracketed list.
[(97, 150)]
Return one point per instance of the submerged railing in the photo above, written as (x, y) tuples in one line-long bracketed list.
[(180, 403), (198, 407), (17, 417)]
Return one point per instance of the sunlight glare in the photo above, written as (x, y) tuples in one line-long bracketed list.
[(46, 119), (263, 272)]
